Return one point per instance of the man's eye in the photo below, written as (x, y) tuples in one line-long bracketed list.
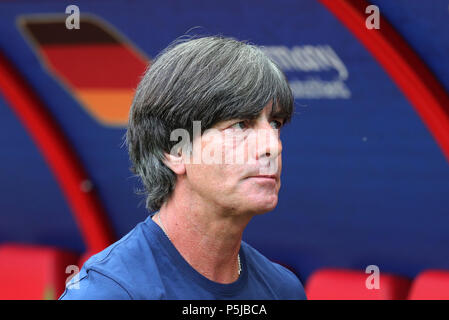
[(277, 124), (239, 125)]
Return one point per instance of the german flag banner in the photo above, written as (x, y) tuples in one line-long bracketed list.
[(96, 64)]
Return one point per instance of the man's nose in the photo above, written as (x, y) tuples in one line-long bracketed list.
[(268, 142)]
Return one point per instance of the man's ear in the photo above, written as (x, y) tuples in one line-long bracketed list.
[(175, 162)]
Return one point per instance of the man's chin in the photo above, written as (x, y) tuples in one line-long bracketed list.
[(264, 206)]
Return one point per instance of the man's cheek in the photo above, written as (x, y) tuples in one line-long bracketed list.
[(234, 151)]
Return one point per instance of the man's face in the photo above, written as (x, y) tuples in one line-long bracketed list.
[(240, 164)]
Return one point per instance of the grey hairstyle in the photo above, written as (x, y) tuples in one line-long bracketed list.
[(208, 79)]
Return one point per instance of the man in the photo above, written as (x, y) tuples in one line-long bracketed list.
[(226, 101)]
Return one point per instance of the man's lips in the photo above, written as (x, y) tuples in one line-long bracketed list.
[(265, 176)]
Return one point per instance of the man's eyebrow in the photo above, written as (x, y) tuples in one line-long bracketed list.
[(279, 113)]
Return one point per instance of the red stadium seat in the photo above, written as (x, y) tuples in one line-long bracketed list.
[(29, 272), (340, 284), (430, 285)]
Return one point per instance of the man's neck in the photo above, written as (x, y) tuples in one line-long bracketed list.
[(208, 240)]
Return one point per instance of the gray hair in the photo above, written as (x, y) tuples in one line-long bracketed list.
[(210, 79)]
